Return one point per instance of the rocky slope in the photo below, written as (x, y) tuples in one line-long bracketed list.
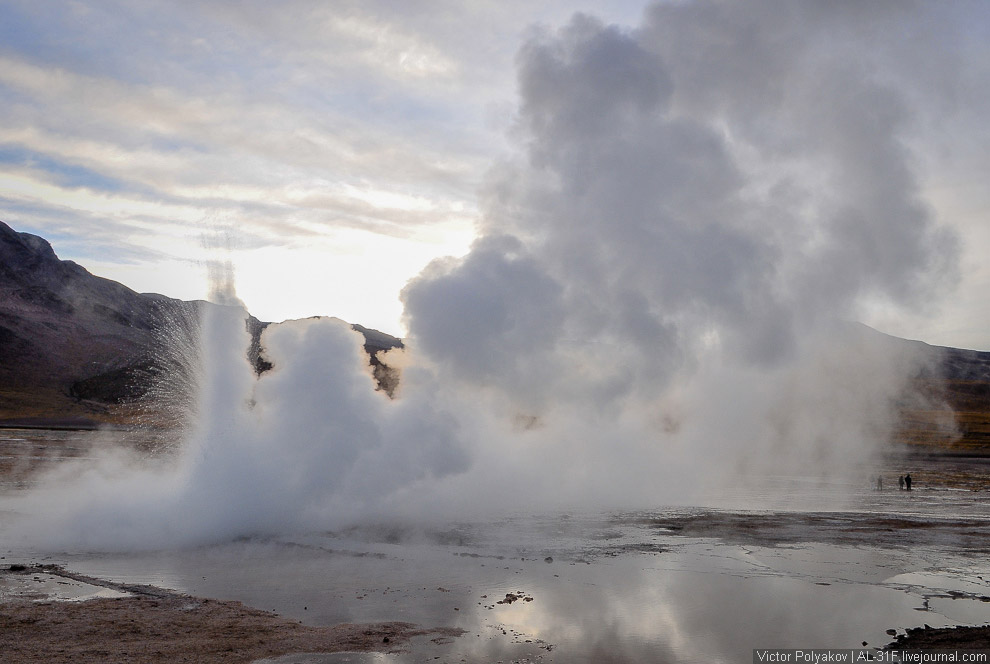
[(946, 406), (75, 348)]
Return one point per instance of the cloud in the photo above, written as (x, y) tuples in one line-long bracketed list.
[(158, 157), (280, 120), (241, 146)]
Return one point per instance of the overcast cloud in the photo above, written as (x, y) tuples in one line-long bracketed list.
[(332, 139), (130, 127)]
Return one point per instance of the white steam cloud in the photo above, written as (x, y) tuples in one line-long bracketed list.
[(654, 302)]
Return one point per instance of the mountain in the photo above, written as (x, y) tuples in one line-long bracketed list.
[(946, 405), (76, 349)]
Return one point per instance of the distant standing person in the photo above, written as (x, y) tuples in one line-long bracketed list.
[(879, 482), (907, 481), (900, 482)]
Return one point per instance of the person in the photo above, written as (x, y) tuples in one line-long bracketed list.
[(907, 481), (879, 482), (900, 482)]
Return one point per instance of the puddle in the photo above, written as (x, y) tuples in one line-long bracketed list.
[(643, 595), (333, 658), (43, 587), (679, 585)]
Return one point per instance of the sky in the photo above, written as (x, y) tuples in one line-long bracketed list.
[(329, 151)]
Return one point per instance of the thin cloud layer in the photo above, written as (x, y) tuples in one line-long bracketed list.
[(279, 121), (293, 121)]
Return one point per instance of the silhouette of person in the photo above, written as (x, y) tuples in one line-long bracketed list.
[(907, 481), (879, 482), (900, 482)]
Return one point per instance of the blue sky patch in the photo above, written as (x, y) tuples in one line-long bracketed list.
[(64, 174)]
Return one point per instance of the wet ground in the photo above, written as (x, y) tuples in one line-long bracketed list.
[(25, 453), (699, 584)]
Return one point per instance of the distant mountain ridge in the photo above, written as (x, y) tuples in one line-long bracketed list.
[(950, 363), (72, 344), (77, 349)]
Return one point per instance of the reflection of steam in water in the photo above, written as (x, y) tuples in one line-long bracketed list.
[(629, 585), (602, 596)]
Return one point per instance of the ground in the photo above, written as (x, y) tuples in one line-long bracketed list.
[(155, 626)]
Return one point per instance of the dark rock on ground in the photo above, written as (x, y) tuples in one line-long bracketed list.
[(943, 638)]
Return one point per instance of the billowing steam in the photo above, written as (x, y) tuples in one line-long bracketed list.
[(655, 302)]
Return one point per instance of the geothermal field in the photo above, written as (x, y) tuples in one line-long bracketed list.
[(685, 295), (848, 565), (246, 537)]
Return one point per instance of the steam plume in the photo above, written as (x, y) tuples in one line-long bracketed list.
[(654, 302)]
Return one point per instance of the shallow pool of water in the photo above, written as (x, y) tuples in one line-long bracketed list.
[(706, 583)]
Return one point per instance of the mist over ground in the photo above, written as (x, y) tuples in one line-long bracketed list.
[(658, 302)]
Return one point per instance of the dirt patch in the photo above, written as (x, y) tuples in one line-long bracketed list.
[(158, 626)]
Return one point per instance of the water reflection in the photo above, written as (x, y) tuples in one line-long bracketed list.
[(625, 592), (688, 584)]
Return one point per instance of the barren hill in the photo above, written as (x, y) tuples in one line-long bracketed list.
[(74, 346)]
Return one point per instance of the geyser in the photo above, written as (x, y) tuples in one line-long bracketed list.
[(652, 307)]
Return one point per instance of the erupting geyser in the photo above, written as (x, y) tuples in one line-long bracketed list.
[(653, 304)]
